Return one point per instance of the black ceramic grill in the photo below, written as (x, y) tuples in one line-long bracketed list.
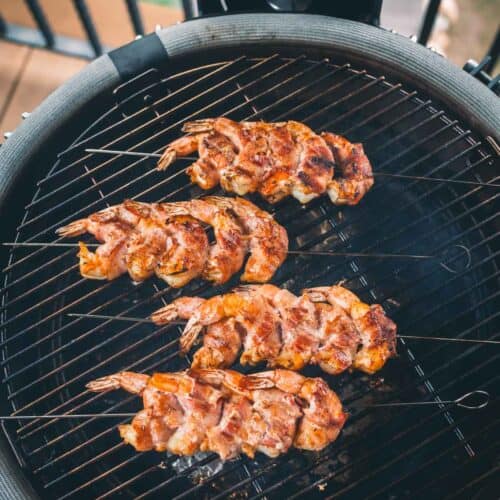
[(406, 128)]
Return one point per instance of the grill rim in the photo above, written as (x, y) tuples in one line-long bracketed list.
[(244, 33)]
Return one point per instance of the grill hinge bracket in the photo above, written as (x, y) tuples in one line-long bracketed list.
[(140, 55), (477, 71)]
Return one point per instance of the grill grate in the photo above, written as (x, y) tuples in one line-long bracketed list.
[(48, 357)]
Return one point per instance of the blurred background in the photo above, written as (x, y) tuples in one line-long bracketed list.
[(75, 31)]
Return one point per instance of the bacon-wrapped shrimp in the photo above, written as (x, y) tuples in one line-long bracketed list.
[(274, 159), (328, 326), (228, 413), (168, 239)]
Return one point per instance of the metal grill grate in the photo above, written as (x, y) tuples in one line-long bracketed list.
[(47, 357)]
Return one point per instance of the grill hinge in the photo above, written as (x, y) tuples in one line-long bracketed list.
[(477, 70)]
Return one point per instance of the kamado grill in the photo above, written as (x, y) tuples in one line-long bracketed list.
[(415, 115)]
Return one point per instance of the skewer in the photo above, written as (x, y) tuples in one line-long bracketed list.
[(147, 320), (68, 415), (291, 252), (485, 396), (435, 179), (329, 253), (484, 399), (41, 244), (119, 318), (132, 153), (375, 174)]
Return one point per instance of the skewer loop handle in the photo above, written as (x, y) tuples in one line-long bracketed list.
[(483, 400)]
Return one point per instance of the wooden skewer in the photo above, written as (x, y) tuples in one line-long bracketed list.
[(483, 401), (375, 174), (147, 320)]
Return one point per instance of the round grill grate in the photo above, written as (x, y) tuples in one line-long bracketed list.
[(48, 357)]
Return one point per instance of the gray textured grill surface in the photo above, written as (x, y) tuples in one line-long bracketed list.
[(47, 357)]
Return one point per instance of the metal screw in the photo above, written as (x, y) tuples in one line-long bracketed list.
[(413, 38), (25, 115), (7, 135)]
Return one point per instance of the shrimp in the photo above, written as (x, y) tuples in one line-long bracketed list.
[(187, 250), (356, 176), (277, 179), (298, 325), (315, 163), (377, 332), (339, 339), (254, 314), (242, 174), (268, 240), (145, 246), (227, 412), (216, 151), (221, 342), (112, 226), (274, 159), (227, 255)]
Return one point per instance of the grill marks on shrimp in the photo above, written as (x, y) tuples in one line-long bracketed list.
[(168, 239), (228, 413), (274, 159), (327, 326)]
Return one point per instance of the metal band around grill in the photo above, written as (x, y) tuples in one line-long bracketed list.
[(139, 56)]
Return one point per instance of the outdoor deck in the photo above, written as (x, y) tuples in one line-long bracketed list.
[(28, 75)]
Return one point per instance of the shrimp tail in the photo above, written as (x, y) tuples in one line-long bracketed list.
[(190, 334), (167, 158), (246, 289), (198, 126), (318, 294), (90, 265), (74, 228), (137, 207), (129, 381), (104, 384), (165, 315), (234, 381)]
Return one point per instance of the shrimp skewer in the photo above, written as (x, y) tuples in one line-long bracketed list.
[(377, 332), (328, 326), (267, 240), (221, 342), (227, 255), (228, 413), (169, 241), (274, 159)]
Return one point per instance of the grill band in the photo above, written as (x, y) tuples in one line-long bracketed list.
[(140, 55)]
